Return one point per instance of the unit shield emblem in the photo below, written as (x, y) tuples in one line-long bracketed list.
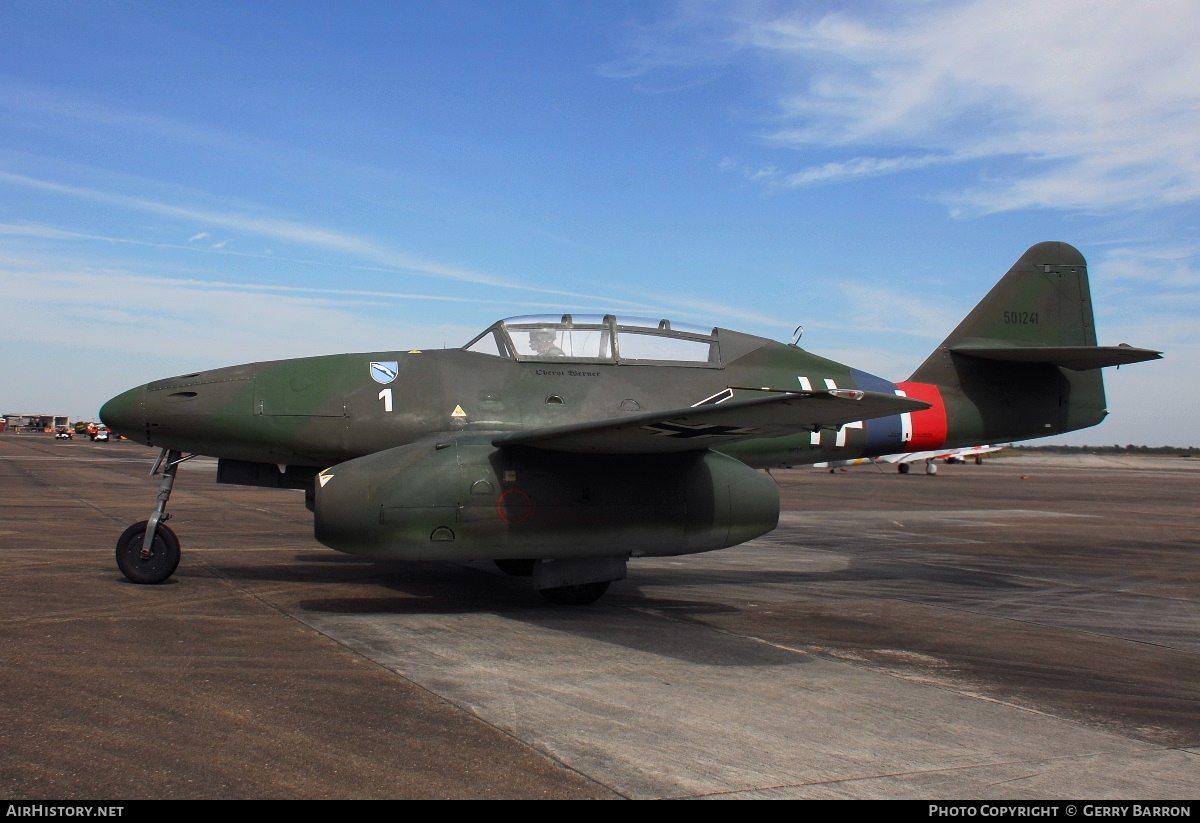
[(385, 372)]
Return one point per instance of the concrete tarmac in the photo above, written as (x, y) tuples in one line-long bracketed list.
[(1028, 628)]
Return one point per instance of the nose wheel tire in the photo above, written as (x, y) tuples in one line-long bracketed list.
[(163, 558)]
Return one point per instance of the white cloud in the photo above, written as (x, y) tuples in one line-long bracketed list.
[(204, 323), (837, 172), (60, 281), (359, 249), (45, 107), (887, 311), (1172, 266), (1075, 104)]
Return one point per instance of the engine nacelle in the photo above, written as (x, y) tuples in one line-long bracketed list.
[(468, 500)]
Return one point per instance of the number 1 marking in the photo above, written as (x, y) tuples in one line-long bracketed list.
[(386, 397)]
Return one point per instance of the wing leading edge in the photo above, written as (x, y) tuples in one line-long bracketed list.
[(710, 426)]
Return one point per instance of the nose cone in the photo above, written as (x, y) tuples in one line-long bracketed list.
[(124, 414)]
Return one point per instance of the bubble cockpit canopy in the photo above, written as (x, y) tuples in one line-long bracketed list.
[(594, 338)]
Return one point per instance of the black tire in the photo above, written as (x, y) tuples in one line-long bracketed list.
[(516, 568), (156, 568), (581, 595), (903, 468)]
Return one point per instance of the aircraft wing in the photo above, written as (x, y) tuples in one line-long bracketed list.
[(908, 457), (709, 426), (841, 464), (913, 457)]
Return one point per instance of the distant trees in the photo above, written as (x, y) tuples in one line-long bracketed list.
[(1129, 448)]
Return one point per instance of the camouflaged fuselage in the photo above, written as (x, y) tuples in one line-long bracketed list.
[(319, 411)]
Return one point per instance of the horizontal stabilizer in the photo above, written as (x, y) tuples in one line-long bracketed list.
[(1079, 358), (707, 427)]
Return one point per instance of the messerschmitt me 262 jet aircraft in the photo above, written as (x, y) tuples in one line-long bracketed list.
[(561, 446)]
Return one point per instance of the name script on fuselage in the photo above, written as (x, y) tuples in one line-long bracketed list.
[(566, 373)]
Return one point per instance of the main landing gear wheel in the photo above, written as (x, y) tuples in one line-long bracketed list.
[(516, 568), (154, 567), (904, 468), (581, 595)]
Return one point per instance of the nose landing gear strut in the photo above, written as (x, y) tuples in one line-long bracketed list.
[(148, 552)]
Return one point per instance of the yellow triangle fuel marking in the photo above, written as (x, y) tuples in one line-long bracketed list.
[(324, 478), (458, 412)]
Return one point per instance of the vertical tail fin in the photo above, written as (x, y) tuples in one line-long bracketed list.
[(1024, 363)]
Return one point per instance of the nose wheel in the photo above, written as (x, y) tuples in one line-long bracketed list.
[(154, 566), (148, 552)]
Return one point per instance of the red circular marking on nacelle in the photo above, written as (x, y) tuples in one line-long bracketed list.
[(507, 510)]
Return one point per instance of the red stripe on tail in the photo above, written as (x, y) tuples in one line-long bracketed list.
[(929, 427)]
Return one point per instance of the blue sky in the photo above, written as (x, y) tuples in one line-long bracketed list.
[(185, 186)]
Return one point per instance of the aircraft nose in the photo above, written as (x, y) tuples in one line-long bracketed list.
[(124, 414)]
